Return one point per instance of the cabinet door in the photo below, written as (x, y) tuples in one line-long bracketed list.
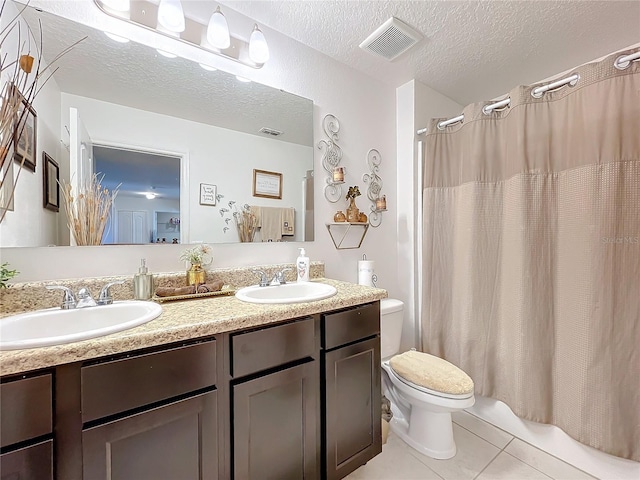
[(274, 426), (29, 463), (175, 441), (352, 410)]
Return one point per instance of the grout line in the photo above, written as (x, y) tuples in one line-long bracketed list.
[(543, 452), (481, 437), (522, 461), (491, 461)]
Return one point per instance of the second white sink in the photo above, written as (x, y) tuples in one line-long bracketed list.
[(288, 293), (54, 326)]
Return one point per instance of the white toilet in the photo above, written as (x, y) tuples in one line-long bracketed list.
[(423, 389)]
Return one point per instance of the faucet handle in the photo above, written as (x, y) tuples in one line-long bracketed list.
[(69, 300), (280, 276), (264, 280), (105, 297)]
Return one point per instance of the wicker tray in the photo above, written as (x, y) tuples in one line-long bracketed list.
[(225, 291)]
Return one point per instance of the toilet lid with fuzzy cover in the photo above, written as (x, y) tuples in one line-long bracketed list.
[(431, 372)]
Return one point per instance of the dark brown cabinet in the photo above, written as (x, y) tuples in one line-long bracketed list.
[(28, 463), (174, 441), (26, 426), (150, 416), (352, 396), (275, 406), (274, 425), (296, 400)]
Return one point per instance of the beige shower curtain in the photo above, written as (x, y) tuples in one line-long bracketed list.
[(532, 254)]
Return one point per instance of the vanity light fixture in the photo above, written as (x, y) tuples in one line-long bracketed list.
[(166, 54), (207, 67), (258, 48), (118, 5), (171, 15), (168, 19), (116, 38), (218, 30)]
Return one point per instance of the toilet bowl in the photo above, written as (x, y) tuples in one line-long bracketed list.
[(423, 389)]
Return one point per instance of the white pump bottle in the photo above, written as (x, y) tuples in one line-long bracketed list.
[(302, 266)]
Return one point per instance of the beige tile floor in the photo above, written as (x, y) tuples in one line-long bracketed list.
[(484, 453)]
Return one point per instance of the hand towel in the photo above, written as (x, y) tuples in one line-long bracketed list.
[(288, 221), (271, 224)]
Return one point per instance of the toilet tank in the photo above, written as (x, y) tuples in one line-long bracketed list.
[(391, 316)]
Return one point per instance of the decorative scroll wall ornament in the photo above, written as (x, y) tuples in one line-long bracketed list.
[(331, 158), (374, 182)]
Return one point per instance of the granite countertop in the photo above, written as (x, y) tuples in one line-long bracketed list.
[(184, 320)]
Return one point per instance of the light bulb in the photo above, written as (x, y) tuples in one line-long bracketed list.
[(258, 48), (150, 195), (119, 5), (207, 67), (116, 38), (171, 15), (165, 54), (218, 31)]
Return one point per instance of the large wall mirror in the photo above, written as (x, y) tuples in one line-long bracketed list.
[(183, 142)]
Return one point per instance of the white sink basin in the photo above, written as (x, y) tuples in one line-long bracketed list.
[(288, 293), (55, 326)]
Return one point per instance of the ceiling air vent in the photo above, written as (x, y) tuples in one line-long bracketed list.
[(271, 131), (391, 39)]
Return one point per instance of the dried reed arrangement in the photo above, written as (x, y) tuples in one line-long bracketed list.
[(246, 223), (88, 211), (20, 83)]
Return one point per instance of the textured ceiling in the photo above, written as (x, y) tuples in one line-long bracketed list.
[(137, 76), (472, 50)]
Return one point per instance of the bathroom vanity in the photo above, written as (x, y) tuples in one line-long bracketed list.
[(211, 389)]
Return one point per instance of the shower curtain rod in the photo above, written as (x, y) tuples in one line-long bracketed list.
[(620, 63)]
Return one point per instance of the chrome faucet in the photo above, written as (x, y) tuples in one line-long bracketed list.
[(69, 300), (264, 280), (84, 299), (105, 297), (280, 277)]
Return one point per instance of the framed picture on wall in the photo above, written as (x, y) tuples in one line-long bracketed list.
[(208, 194), (51, 188), (267, 184), (26, 123)]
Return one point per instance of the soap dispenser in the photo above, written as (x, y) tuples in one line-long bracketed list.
[(143, 283), (302, 266)]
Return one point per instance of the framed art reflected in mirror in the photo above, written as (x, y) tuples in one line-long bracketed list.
[(25, 135), (267, 184), (51, 188)]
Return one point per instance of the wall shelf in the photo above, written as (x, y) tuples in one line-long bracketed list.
[(347, 235)]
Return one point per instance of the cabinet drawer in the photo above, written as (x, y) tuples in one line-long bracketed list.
[(26, 409), (114, 387), (29, 463), (272, 346), (350, 325)]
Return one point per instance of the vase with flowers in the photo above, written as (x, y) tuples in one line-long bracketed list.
[(199, 257), (353, 213)]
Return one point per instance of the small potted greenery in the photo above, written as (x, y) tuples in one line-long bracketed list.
[(198, 256), (6, 275)]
